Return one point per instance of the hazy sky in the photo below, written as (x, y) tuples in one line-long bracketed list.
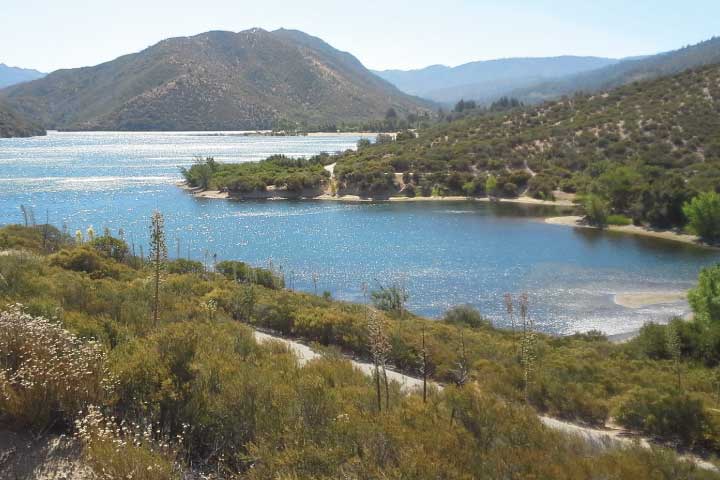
[(52, 34)]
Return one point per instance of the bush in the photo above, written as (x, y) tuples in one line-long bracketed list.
[(703, 213), (705, 298), (596, 211), (241, 272), (620, 220), (390, 299), (182, 266), (86, 259), (111, 247), (40, 238), (465, 315), (47, 374), (667, 415)]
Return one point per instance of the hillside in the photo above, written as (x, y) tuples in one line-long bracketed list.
[(486, 81), (13, 75), (622, 73), (13, 124), (214, 81), (196, 392), (646, 148)]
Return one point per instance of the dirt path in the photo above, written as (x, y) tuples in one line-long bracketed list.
[(597, 437)]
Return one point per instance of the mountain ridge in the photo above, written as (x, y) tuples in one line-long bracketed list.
[(486, 80), (215, 80), (628, 71), (14, 75)]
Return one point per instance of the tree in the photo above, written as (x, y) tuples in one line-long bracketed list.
[(158, 258), (596, 211), (391, 118), (703, 213), (363, 143), (662, 203), (491, 186), (705, 298), (620, 185)]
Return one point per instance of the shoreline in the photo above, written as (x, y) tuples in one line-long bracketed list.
[(218, 195), (576, 222)]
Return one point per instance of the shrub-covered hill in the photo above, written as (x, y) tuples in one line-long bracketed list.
[(217, 80), (194, 388), (13, 124), (646, 147)]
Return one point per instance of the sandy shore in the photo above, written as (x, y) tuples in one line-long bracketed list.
[(345, 134), (646, 299), (218, 195), (575, 221)]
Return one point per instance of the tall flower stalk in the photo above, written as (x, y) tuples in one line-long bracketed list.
[(158, 258)]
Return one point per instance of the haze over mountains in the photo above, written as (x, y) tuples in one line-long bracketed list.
[(217, 80), (14, 75), (533, 80), (627, 71), (486, 81)]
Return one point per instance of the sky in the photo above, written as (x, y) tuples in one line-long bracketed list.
[(52, 34)]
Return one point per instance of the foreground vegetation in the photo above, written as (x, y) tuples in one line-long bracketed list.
[(193, 389)]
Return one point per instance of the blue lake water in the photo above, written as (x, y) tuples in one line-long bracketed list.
[(443, 253)]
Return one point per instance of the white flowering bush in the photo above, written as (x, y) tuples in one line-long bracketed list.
[(125, 450), (47, 374)]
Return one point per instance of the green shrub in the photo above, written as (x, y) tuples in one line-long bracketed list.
[(703, 214), (87, 259), (596, 211), (705, 298), (620, 220), (183, 266), (465, 315), (667, 415), (241, 272)]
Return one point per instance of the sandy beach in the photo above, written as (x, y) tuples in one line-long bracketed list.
[(646, 299), (218, 195), (576, 221)]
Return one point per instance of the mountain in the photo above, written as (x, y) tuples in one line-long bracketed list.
[(13, 75), (217, 80), (13, 124), (485, 81), (627, 71)]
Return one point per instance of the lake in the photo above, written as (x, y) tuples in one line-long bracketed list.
[(444, 253)]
